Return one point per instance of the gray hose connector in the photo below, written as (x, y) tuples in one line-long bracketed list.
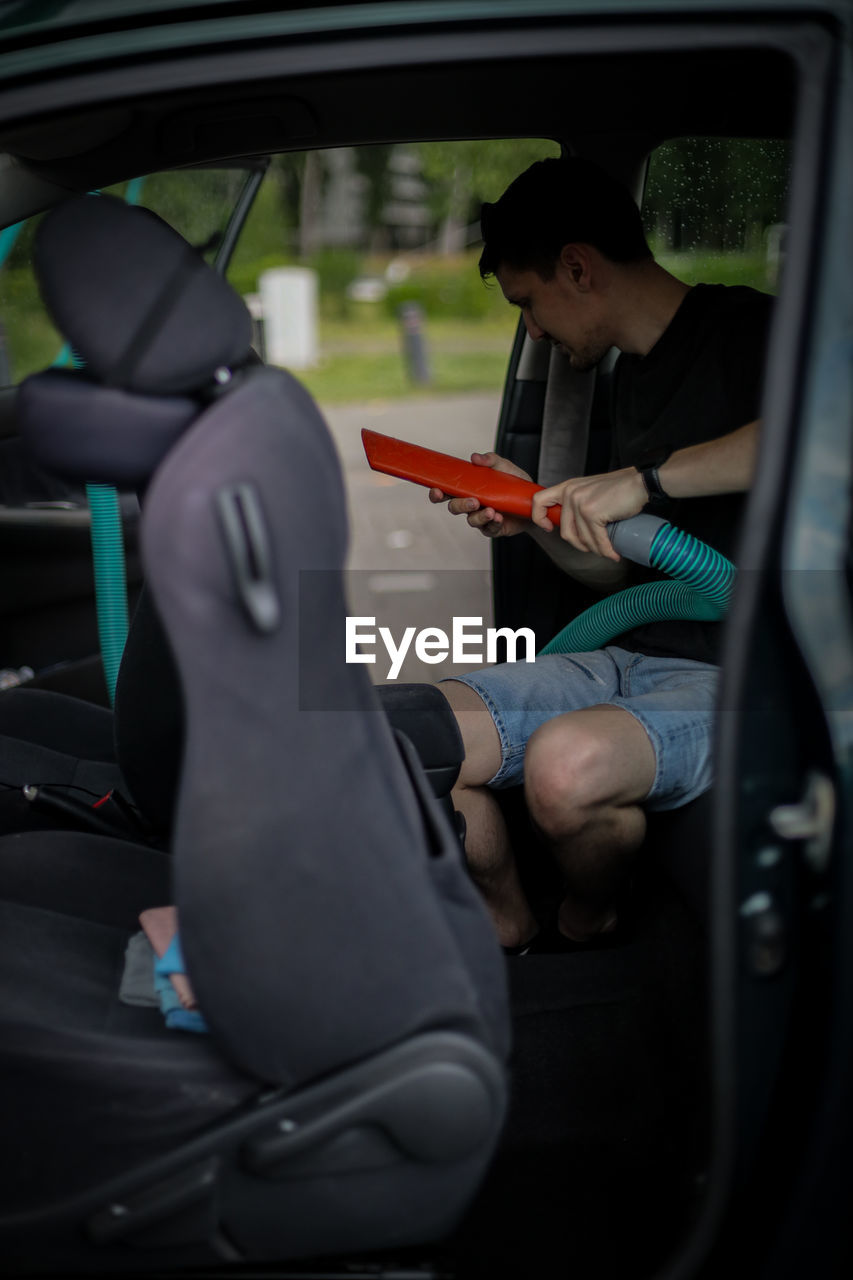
[(633, 538)]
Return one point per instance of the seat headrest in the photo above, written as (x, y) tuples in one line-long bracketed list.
[(82, 431), (139, 304)]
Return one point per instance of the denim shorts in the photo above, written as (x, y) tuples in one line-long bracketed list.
[(673, 699)]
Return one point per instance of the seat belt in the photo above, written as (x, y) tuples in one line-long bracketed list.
[(109, 566), (565, 420)]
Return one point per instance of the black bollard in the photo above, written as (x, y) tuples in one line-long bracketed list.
[(410, 315)]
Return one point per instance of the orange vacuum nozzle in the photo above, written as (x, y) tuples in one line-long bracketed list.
[(454, 476)]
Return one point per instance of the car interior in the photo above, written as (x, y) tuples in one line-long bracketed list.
[(378, 1087)]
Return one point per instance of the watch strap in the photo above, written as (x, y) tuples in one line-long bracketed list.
[(647, 465), (654, 488)]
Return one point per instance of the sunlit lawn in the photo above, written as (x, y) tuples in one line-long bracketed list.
[(362, 359), (702, 266)]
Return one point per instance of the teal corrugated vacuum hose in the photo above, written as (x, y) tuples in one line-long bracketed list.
[(695, 563), (701, 592), (108, 565)]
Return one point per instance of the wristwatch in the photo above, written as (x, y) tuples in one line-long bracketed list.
[(647, 465)]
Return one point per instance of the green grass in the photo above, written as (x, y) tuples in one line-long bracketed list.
[(369, 323), (704, 267), (383, 377), (363, 360), (32, 343), (31, 340)]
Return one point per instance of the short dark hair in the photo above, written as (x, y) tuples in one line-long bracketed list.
[(557, 202)]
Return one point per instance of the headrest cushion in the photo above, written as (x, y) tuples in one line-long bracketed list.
[(139, 304), (83, 431)]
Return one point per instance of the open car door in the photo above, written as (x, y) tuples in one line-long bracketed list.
[(764, 870)]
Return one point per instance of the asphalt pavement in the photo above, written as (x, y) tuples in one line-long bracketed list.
[(412, 564)]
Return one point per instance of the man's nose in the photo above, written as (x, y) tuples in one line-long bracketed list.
[(533, 328)]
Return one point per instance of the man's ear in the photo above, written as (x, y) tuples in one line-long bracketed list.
[(575, 259)]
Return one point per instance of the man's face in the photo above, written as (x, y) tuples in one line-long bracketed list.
[(557, 310)]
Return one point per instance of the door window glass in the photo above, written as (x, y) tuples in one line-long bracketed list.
[(714, 209)]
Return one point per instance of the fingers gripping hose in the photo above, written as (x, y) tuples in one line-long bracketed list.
[(700, 594)]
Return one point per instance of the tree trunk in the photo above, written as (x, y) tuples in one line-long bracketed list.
[(452, 235), (309, 204)]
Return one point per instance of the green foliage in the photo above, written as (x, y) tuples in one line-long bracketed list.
[(373, 164), (447, 287), (719, 268), (716, 193), (335, 268), (382, 375), (21, 252), (244, 277), (196, 202), (32, 342), (285, 175), (265, 240), (476, 171)]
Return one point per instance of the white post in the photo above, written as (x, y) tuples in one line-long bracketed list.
[(289, 304)]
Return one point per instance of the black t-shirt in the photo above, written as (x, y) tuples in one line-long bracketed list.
[(701, 380)]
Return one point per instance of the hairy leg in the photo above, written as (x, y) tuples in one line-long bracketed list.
[(586, 774), (490, 857)]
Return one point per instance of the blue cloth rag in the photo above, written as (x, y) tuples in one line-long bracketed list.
[(177, 1017)]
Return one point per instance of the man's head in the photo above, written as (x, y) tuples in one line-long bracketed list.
[(559, 202), (559, 240)]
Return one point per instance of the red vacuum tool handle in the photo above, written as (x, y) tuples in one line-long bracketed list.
[(454, 476)]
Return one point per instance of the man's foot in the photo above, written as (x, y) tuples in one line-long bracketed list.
[(513, 920), (523, 948), (551, 941), (580, 924), (513, 934)]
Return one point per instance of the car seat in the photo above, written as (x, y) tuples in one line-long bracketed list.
[(351, 1087), (60, 755)]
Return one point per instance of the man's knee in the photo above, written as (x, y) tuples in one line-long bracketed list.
[(562, 769), (582, 763)]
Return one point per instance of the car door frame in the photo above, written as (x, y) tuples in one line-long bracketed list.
[(781, 972)]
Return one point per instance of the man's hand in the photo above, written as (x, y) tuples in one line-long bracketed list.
[(589, 504), (494, 524)]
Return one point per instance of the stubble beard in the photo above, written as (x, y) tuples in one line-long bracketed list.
[(587, 353), (583, 359)]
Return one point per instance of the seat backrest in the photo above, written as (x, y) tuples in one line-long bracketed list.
[(306, 877), (153, 323), (325, 909)]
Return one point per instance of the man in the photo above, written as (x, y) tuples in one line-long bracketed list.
[(597, 739)]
